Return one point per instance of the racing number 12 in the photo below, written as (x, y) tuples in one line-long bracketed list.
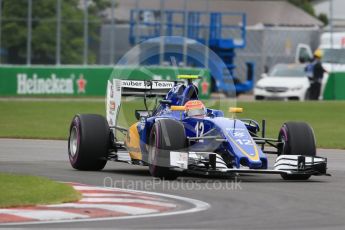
[(241, 140), (199, 129)]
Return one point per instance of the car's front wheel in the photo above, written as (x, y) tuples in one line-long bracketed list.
[(297, 138), (88, 142), (166, 135)]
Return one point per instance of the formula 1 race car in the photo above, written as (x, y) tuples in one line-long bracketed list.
[(181, 135)]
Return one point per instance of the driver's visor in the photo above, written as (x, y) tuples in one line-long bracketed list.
[(196, 112)]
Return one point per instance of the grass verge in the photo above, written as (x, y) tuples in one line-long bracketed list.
[(326, 118), (51, 119), (20, 190)]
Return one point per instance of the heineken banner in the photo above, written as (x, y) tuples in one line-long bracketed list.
[(334, 89), (84, 81)]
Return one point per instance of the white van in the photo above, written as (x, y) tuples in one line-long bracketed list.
[(333, 50)]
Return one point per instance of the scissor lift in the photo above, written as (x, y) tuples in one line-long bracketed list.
[(221, 32)]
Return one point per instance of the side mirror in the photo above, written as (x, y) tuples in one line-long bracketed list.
[(177, 108), (303, 53), (235, 110)]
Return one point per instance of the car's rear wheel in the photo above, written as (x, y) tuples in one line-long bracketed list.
[(88, 142), (166, 135), (297, 138)]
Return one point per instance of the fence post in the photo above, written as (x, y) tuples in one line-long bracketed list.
[(185, 33), (112, 24), (136, 15), (0, 30), (58, 33), (162, 19), (86, 32), (331, 12), (207, 40), (29, 33)]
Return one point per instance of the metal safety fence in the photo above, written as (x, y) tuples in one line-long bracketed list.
[(51, 31), (91, 32)]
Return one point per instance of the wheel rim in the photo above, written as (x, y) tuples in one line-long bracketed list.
[(283, 145), (153, 149), (73, 142), (282, 138)]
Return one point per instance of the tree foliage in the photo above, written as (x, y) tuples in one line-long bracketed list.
[(323, 18), (44, 25), (308, 7), (305, 5)]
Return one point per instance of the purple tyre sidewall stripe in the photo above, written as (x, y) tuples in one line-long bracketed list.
[(284, 131)]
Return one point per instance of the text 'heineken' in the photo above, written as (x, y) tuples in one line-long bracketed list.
[(52, 85)]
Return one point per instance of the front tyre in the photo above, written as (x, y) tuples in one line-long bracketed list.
[(166, 135), (297, 138), (88, 142)]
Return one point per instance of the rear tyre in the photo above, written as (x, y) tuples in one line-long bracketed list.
[(297, 139), (166, 135), (88, 142)]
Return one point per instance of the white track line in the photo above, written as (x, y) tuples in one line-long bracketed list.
[(88, 188), (126, 200), (198, 207), (119, 196), (110, 207), (45, 215)]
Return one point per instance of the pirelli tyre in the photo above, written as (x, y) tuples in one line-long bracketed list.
[(297, 138), (166, 135), (88, 142)]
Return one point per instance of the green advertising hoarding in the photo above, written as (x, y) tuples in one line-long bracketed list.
[(335, 86), (84, 80)]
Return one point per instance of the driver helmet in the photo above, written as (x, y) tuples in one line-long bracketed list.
[(195, 108)]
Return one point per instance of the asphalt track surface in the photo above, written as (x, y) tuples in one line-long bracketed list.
[(248, 202)]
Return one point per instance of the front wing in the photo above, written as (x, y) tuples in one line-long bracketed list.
[(211, 164)]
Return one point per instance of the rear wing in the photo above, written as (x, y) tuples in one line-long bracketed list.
[(146, 88), (117, 88)]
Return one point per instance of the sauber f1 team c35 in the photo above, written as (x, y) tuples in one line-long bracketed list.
[(181, 135)]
